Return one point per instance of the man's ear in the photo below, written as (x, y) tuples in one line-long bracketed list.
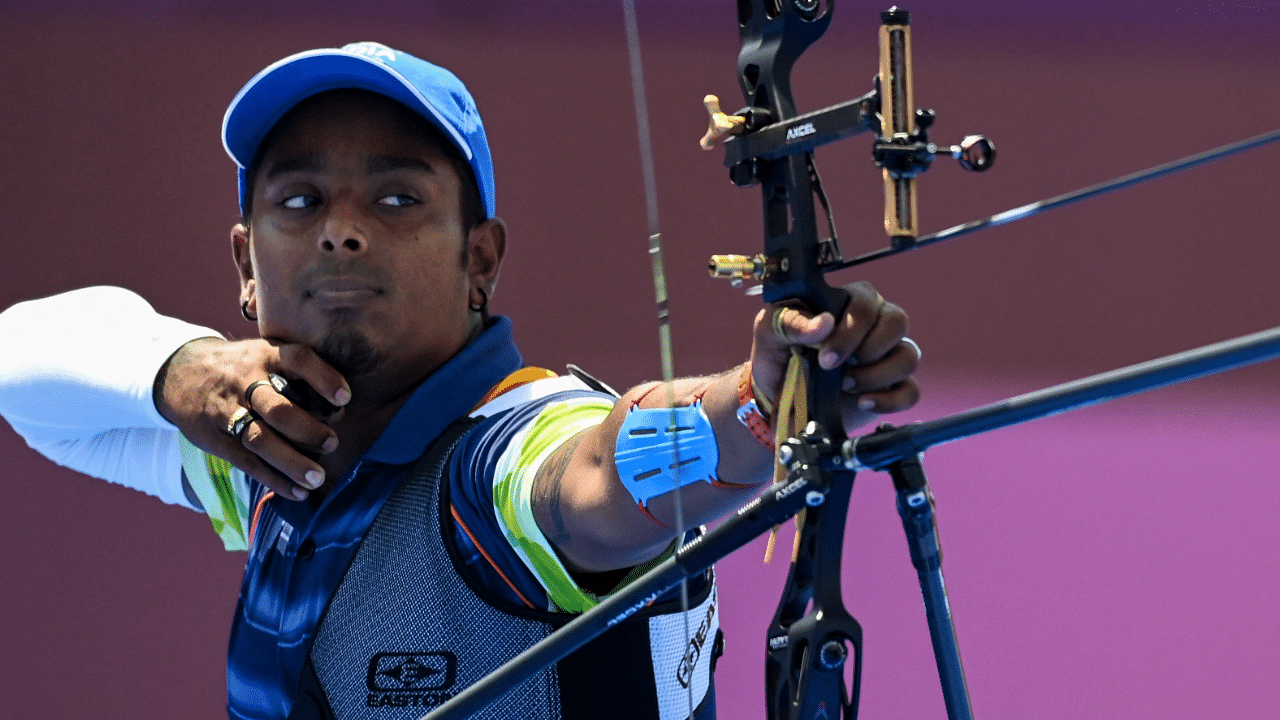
[(244, 265), (486, 244)]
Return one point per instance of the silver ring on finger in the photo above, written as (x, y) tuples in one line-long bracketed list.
[(914, 344), (240, 421)]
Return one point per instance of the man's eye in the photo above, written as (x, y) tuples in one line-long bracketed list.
[(398, 200), (299, 202)]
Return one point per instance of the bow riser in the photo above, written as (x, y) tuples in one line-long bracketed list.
[(811, 635), (773, 36)]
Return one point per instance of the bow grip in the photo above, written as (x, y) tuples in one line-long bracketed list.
[(825, 385)]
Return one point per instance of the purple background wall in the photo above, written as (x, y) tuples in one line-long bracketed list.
[(1115, 562)]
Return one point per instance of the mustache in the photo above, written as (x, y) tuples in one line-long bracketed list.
[(328, 269)]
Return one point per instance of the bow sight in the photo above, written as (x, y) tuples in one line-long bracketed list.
[(766, 143)]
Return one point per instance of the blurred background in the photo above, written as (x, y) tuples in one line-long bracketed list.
[(1119, 561)]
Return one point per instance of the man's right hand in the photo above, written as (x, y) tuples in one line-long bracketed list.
[(203, 384)]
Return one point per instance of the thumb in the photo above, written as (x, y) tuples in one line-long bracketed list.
[(797, 326), (777, 330)]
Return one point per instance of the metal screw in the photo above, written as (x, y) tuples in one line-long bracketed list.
[(814, 498), (785, 453)]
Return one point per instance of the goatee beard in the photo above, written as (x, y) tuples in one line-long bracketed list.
[(350, 353)]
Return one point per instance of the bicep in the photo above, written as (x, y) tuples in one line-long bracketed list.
[(585, 511)]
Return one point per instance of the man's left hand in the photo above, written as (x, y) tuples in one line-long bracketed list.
[(869, 341)]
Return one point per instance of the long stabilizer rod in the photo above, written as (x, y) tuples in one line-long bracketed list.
[(881, 448)]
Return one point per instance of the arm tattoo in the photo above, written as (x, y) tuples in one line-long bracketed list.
[(548, 487)]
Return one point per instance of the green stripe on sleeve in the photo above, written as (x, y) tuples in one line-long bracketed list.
[(513, 495), (223, 491)]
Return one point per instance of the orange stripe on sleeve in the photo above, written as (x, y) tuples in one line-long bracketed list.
[(523, 376), (454, 511)]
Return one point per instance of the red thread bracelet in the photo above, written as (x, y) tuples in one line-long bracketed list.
[(749, 410)]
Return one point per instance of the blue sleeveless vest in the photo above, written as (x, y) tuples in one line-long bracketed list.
[(407, 628)]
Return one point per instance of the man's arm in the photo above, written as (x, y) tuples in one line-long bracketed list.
[(584, 509), (75, 382), (98, 381)]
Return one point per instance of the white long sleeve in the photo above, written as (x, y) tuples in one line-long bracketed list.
[(76, 377)]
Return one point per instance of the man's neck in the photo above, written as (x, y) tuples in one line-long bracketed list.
[(376, 397), (375, 400)]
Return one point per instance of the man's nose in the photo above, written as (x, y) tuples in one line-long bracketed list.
[(343, 230)]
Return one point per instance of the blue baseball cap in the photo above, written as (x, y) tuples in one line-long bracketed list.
[(430, 90)]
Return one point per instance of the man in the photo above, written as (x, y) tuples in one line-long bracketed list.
[(417, 505)]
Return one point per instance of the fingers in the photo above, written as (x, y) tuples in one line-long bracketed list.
[(291, 422), (797, 326), (207, 382), (866, 332), (301, 362), (254, 466), (286, 439), (897, 365), (883, 386), (896, 398), (282, 467), (232, 440), (869, 340)]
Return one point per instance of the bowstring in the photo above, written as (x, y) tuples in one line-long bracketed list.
[(659, 282)]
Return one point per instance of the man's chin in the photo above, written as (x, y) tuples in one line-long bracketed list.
[(350, 353)]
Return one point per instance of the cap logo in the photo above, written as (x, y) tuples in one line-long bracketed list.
[(377, 51)]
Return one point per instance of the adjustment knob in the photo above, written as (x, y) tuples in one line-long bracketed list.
[(925, 118), (807, 9), (720, 124), (832, 654)]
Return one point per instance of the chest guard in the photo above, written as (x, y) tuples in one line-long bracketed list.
[(409, 627)]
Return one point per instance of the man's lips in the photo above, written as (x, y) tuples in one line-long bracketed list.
[(333, 293)]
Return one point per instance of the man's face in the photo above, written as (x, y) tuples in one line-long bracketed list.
[(356, 246)]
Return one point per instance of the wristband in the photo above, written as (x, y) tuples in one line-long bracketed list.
[(749, 413)]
